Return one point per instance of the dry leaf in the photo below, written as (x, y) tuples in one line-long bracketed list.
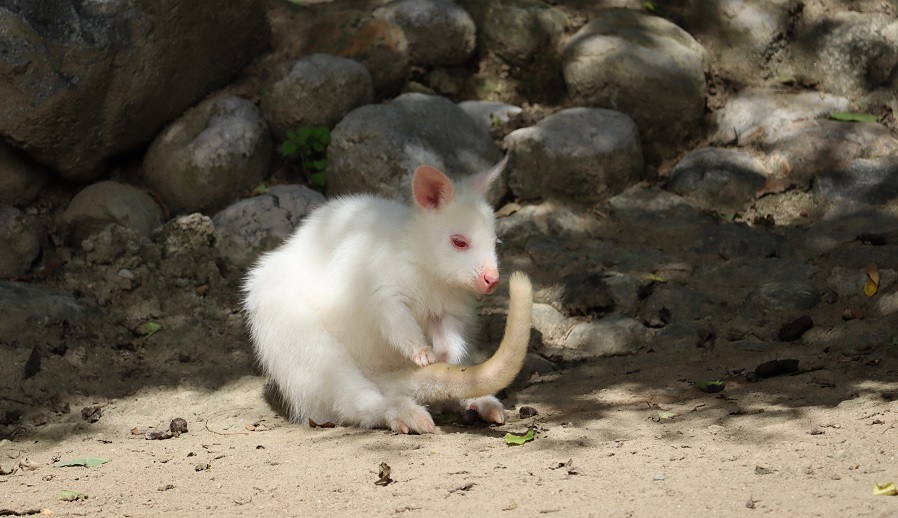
[(872, 283), (383, 475)]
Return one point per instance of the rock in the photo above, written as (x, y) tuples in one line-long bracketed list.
[(644, 66), (318, 90), (376, 43), (103, 203), (721, 179), (21, 180), (82, 82), (731, 240), (593, 153), (20, 242), (784, 296), (743, 36), (610, 336), (585, 293), (376, 148), (887, 304), (624, 291), (549, 322), (849, 282), (672, 303), (518, 31), (739, 278), (439, 33), (27, 304), (807, 148), (489, 114), (848, 53), (246, 229), (872, 181), (209, 156), (762, 114)]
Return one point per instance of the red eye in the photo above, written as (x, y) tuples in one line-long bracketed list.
[(459, 241)]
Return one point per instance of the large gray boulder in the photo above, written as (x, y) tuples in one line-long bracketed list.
[(83, 81), (209, 156), (439, 33), (583, 154), (317, 90), (518, 31), (644, 66), (376, 147), (108, 202)]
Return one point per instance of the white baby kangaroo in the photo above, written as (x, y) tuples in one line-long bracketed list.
[(350, 316)]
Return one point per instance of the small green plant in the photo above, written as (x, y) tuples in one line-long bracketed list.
[(309, 144)]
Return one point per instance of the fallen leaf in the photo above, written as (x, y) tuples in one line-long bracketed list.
[(887, 489), (149, 328), (383, 475), (85, 462), (70, 496), (852, 117), (711, 387), (517, 440), (872, 284)]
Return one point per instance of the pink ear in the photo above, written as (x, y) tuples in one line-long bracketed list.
[(432, 189), (481, 182)]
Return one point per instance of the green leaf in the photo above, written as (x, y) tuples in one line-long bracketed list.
[(517, 440), (70, 496), (148, 329), (318, 165), (261, 189), (85, 462), (288, 148), (711, 387), (318, 180), (853, 117)]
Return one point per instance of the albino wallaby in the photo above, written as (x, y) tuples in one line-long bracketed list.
[(343, 314)]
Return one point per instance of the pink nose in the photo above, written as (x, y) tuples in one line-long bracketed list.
[(490, 281)]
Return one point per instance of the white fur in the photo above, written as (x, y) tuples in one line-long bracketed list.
[(366, 287)]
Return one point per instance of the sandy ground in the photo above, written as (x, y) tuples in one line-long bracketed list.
[(607, 444)]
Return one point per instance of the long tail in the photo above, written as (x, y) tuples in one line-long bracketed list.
[(442, 381)]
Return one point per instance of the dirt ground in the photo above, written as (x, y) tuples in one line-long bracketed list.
[(627, 436)]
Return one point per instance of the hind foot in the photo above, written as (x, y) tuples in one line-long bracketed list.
[(406, 416), (488, 407)]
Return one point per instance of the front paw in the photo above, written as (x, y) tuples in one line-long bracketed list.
[(425, 357)]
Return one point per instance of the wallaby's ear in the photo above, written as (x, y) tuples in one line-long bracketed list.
[(481, 182), (432, 189)]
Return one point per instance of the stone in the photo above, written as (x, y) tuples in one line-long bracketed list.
[(210, 156), (784, 296), (865, 181), (848, 53), (376, 148), (807, 148), (81, 82), (613, 335), (439, 33), (317, 90), (20, 242), (581, 154), (250, 227), (379, 45), (762, 114), (517, 31), (105, 203), (644, 66), (26, 304), (719, 179), (21, 179)]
